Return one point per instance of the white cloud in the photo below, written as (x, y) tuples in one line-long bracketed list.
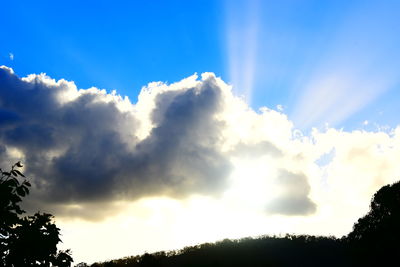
[(186, 154), (11, 56)]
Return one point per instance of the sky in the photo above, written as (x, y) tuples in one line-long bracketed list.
[(153, 125)]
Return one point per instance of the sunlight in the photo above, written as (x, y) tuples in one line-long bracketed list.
[(345, 79), (242, 31), (346, 89), (252, 186)]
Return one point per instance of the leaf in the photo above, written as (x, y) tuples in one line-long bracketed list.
[(19, 173), (21, 191), (19, 164), (15, 199), (12, 182), (25, 189)]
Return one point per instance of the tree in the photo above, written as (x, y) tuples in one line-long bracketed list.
[(377, 235), (26, 241)]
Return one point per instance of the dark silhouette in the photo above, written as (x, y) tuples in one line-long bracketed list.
[(26, 241), (263, 251), (374, 241), (376, 236)]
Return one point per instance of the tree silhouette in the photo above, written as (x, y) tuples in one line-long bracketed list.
[(26, 241), (376, 236)]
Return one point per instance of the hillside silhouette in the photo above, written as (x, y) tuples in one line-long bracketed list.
[(374, 241)]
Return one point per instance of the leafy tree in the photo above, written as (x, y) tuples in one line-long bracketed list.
[(376, 236), (26, 241)]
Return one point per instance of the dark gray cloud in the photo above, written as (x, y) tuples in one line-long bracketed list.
[(293, 197), (85, 150)]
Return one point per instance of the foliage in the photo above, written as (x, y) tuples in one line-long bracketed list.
[(26, 241), (262, 251), (11, 192), (376, 236), (383, 219)]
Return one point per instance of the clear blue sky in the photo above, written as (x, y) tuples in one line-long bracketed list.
[(323, 61)]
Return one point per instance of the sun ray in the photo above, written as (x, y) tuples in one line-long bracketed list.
[(242, 38)]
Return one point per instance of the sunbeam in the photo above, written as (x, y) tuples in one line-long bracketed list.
[(346, 78), (242, 38)]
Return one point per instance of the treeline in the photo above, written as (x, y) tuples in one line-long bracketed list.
[(263, 251), (374, 241)]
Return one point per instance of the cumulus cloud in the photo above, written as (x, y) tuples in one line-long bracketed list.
[(85, 145), (88, 150)]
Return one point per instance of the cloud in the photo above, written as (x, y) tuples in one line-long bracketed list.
[(88, 151), (293, 198), (89, 148), (11, 56), (85, 146), (362, 163), (244, 150), (188, 155)]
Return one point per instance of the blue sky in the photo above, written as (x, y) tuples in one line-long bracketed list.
[(291, 53), (119, 45)]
